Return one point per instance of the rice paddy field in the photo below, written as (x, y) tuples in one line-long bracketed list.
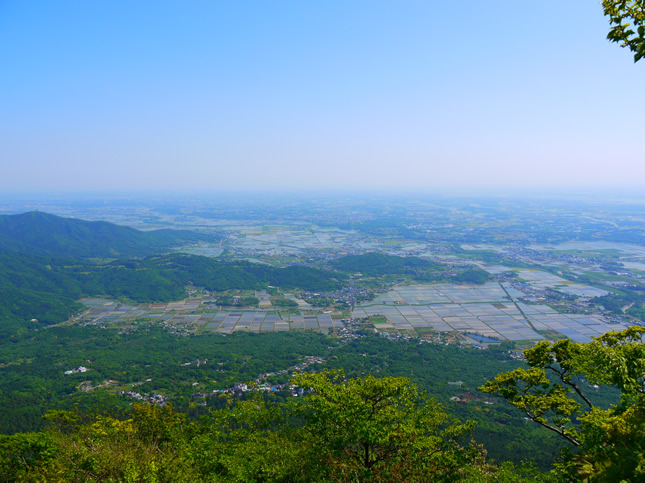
[(195, 314), (491, 310), (488, 311)]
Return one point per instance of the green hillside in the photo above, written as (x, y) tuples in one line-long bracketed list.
[(343, 425), (46, 289), (376, 264), (43, 234)]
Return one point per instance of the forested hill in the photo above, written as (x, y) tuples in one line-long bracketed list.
[(43, 234), (375, 264), (33, 287)]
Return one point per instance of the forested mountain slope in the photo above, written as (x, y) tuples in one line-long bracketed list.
[(46, 289), (43, 234)]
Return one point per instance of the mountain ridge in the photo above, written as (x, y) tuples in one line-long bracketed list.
[(44, 234)]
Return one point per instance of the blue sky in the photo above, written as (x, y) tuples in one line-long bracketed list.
[(401, 95)]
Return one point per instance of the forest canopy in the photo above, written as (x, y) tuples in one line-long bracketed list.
[(46, 289), (361, 429)]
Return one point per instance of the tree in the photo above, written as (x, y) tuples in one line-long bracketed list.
[(382, 429), (145, 447), (363, 429), (608, 444), (627, 20)]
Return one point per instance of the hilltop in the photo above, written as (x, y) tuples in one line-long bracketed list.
[(44, 234)]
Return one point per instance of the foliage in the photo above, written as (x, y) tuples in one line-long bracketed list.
[(33, 382), (633, 300), (382, 429), (254, 441), (379, 264), (475, 275), (364, 429), (231, 301), (283, 302), (144, 447), (46, 288), (609, 442), (433, 367), (32, 366), (221, 276), (627, 20)]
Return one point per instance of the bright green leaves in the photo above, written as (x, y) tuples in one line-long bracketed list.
[(252, 441), (145, 447), (364, 416), (618, 359), (369, 427), (560, 357), (627, 21), (531, 391), (611, 442), (614, 445), (362, 429), (22, 453), (156, 425)]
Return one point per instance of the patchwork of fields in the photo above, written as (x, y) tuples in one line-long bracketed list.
[(488, 311), (491, 310), (196, 314)]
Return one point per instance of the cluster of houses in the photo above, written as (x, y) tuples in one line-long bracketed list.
[(349, 330), (349, 295), (157, 399), (78, 370), (196, 362), (261, 384), (239, 388)]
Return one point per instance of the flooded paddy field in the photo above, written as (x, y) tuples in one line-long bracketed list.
[(197, 314), (490, 311)]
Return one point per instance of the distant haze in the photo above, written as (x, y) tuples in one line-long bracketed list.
[(335, 95)]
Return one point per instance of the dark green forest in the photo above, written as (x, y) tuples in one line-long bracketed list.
[(46, 289), (375, 264), (44, 234), (363, 429), (370, 409), (33, 380)]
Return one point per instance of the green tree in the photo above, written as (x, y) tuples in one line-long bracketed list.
[(627, 20), (383, 429), (23, 454), (608, 444), (253, 441)]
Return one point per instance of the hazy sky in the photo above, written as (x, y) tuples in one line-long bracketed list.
[(203, 96)]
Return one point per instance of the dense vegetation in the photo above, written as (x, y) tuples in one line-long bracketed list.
[(476, 276), (149, 360), (33, 382), (364, 429), (43, 234), (608, 442), (33, 366), (377, 264), (47, 288), (358, 429), (232, 301)]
